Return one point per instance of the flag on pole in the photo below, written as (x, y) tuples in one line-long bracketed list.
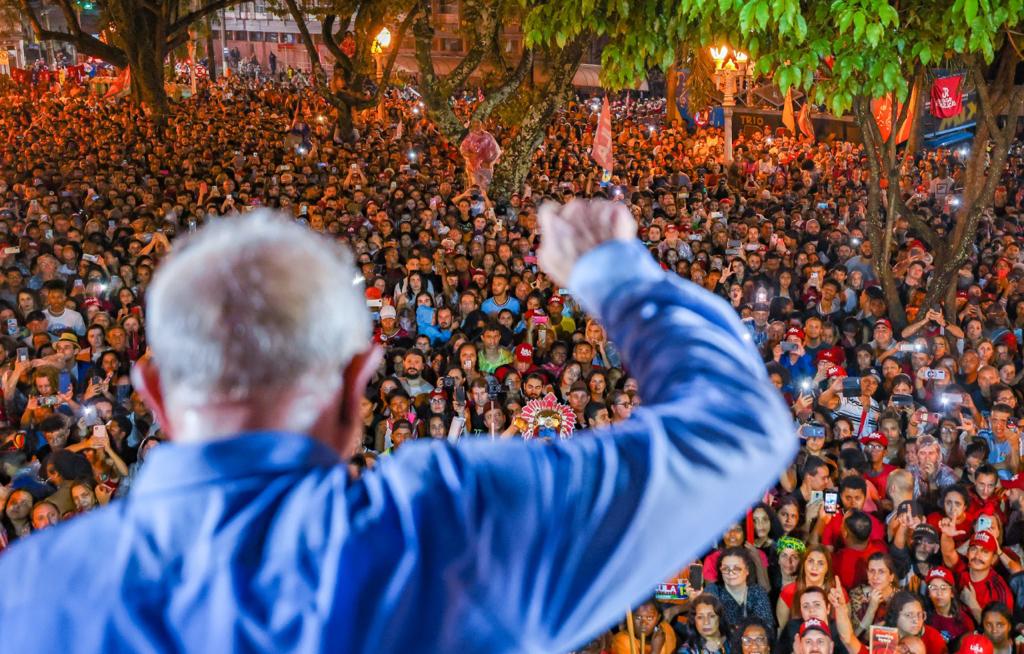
[(881, 108), (787, 112), (804, 121), (602, 148)]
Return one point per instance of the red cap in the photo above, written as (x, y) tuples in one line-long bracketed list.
[(835, 371), (812, 624), (524, 353), (884, 321), (1015, 482), (671, 227), (478, 271), (833, 355), (961, 295), (985, 541), (795, 331), (941, 573), (915, 244), (975, 644), (556, 299), (438, 392), (875, 438)]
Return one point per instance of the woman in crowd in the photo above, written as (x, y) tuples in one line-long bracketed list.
[(738, 591)]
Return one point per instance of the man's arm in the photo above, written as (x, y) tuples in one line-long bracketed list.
[(552, 542)]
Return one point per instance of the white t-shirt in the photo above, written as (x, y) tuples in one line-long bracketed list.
[(70, 319)]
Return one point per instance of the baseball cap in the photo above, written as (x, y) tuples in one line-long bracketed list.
[(883, 321), (975, 644), (388, 311), (926, 532), (812, 624), (579, 386), (556, 299), (833, 355), (524, 353), (875, 438), (942, 574), (985, 541), (438, 393), (795, 331), (1015, 482), (872, 372)]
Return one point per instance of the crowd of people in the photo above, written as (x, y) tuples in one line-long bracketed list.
[(902, 508)]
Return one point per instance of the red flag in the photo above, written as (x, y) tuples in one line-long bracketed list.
[(121, 84), (602, 149), (947, 100), (804, 121), (787, 112), (881, 108)]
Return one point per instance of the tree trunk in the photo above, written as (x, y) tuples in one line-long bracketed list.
[(143, 36), (211, 58), (343, 126), (511, 170)]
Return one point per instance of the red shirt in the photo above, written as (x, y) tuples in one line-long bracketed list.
[(832, 534), (851, 566), (990, 589), (880, 479)]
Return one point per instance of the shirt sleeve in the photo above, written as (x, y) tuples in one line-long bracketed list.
[(556, 541)]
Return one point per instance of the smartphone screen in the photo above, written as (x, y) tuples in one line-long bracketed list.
[(696, 576), (460, 395), (831, 502)]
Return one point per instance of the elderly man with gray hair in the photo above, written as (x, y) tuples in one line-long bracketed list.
[(245, 534)]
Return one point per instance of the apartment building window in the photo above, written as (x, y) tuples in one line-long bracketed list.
[(451, 45), (448, 7)]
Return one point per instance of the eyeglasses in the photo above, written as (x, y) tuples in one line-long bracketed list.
[(755, 640), (940, 588), (623, 404), (733, 569)]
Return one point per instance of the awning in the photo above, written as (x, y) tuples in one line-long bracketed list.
[(588, 76), (442, 64)]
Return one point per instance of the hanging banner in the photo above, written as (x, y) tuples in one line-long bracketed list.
[(947, 100), (602, 149)]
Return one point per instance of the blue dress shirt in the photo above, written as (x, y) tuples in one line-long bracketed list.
[(260, 543)]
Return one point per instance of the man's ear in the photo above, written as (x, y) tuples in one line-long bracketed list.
[(355, 377), (146, 380)]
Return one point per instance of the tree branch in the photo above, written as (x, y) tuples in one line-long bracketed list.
[(332, 44), (512, 82), (85, 43), (182, 23), (485, 31)]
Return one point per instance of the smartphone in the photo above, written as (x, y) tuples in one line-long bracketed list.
[(540, 320), (908, 347), (951, 399), (822, 205), (851, 386), (902, 400), (830, 502), (460, 395), (14, 250), (22, 354), (12, 326), (817, 496), (696, 576), (812, 431), (932, 373), (788, 346), (91, 258), (984, 523)]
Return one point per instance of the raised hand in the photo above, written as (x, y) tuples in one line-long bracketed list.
[(568, 232)]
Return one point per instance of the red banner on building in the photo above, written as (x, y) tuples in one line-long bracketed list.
[(947, 100), (602, 149)]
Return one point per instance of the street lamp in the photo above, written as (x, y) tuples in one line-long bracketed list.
[(726, 75), (380, 44)]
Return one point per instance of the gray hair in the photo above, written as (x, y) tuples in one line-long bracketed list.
[(254, 304)]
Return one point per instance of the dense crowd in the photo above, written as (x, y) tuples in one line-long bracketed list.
[(901, 508)]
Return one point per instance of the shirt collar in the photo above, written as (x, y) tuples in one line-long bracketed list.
[(175, 465)]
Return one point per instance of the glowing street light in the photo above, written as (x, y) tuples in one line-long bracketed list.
[(384, 38)]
